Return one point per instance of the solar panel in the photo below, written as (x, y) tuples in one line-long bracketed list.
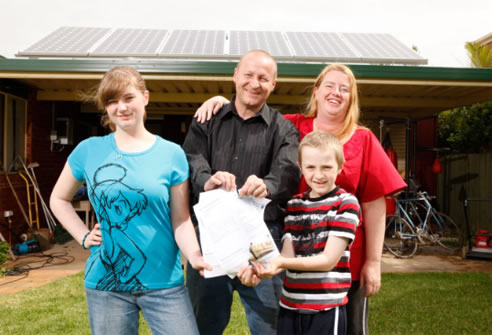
[(380, 46), (320, 45), (75, 41), (131, 42), (271, 41), (195, 43)]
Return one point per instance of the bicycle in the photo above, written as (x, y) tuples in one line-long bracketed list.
[(416, 222)]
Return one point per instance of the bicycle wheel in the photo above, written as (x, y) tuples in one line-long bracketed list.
[(400, 238), (448, 233)]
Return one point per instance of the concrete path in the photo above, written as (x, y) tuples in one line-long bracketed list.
[(71, 251), (433, 262), (68, 259)]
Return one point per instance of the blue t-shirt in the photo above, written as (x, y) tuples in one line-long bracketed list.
[(130, 195)]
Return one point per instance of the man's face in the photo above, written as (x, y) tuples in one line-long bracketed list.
[(255, 79)]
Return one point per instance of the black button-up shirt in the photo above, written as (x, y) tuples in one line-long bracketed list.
[(264, 145)]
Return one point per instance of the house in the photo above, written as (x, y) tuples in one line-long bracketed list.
[(43, 115)]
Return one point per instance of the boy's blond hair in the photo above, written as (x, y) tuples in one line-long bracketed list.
[(325, 141)]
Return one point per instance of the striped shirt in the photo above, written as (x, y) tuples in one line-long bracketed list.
[(309, 223)]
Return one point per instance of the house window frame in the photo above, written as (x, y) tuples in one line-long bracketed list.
[(9, 127)]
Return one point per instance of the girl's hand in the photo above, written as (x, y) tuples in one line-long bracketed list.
[(199, 264), (94, 237)]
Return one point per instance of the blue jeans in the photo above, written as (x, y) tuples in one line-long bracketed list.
[(212, 299), (167, 311)]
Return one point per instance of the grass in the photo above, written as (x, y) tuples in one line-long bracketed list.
[(417, 303), (433, 303)]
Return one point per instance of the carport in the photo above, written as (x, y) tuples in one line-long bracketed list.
[(405, 98)]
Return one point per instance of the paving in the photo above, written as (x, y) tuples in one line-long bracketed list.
[(66, 259)]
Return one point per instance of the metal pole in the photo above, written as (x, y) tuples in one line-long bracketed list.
[(407, 155)]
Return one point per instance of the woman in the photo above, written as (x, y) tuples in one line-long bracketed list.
[(138, 185), (367, 173)]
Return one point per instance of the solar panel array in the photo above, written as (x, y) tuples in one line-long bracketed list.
[(220, 44)]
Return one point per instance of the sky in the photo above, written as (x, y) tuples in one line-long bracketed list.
[(438, 28)]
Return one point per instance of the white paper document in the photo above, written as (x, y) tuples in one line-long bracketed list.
[(232, 231)]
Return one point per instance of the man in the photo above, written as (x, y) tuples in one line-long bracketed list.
[(251, 147)]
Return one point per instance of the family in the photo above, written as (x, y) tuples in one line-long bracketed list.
[(326, 214)]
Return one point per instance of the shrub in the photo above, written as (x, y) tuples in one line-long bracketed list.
[(467, 129), (4, 249)]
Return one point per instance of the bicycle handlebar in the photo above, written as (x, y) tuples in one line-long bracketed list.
[(424, 194)]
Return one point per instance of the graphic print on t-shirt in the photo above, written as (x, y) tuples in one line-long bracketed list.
[(117, 204)]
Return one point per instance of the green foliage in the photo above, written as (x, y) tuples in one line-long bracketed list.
[(4, 250), (480, 55), (467, 129)]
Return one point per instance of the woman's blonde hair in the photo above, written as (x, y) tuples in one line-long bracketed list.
[(112, 86), (353, 112), (324, 141)]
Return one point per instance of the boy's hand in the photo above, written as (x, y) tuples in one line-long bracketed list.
[(269, 270), (248, 276)]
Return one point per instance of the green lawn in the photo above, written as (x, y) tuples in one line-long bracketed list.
[(420, 303)]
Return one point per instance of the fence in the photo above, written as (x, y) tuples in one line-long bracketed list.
[(466, 176)]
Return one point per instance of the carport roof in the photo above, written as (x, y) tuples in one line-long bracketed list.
[(178, 87)]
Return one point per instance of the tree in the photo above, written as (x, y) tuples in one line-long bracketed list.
[(480, 55), (467, 129)]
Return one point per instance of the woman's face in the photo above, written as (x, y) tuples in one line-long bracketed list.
[(333, 96), (128, 110)]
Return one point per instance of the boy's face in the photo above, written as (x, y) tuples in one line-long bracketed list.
[(320, 169)]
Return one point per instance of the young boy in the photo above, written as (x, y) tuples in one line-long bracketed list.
[(319, 226)]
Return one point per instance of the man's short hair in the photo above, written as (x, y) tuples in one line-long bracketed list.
[(264, 53)]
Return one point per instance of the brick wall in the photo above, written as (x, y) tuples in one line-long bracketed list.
[(8, 202), (38, 149)]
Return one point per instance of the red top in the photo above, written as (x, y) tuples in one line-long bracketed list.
[(367, 173)]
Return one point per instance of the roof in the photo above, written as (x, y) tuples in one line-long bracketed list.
[(178, 87)]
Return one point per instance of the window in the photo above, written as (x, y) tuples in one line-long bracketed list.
[(13, 130), (2, 129)]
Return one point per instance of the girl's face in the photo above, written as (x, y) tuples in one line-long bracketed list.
[(333, 96), (128, 110)]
